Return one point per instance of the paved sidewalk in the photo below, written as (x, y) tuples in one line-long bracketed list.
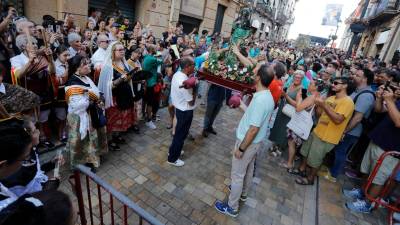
[(186, 195)]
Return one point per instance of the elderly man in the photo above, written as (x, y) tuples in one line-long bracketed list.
[(32, 71), (184, 102), (74, 41), (99, 55)]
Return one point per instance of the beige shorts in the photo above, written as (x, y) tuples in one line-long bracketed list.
[(315, 149), (371, 156)]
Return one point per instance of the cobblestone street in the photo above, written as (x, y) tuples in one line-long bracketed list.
[(186, 195)]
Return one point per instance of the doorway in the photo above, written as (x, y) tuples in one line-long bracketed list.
[(189, 23), (219, 18)]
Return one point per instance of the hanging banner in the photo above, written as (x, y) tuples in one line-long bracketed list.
[(332, 14)]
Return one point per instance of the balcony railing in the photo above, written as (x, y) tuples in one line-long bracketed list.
[(382, 11), (281, 19), (265, 10)]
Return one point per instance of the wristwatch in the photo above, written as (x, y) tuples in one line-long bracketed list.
[(241, 150)]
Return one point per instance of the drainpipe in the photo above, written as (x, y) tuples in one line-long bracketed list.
[(171, 14)]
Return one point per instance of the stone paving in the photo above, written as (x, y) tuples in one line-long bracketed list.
[(186, 195)]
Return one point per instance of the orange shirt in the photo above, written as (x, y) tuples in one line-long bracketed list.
[(276, 88)]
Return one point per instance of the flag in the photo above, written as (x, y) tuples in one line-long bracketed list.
[(332, 14)]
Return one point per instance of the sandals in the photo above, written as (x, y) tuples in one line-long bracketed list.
[(304, 181), (297, 172)]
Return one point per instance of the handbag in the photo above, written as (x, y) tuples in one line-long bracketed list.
[(301, 123), (288, 110), (97, 116)]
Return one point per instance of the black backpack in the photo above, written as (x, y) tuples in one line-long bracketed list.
[(373, 119)]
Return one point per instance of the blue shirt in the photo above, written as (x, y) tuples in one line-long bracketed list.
[(257, 114)]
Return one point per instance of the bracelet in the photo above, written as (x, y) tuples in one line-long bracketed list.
[(241, 150)]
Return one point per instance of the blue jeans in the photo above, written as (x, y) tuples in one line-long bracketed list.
[(183, 122), (341, 150)]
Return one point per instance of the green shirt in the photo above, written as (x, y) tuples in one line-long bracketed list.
[(150, 63)]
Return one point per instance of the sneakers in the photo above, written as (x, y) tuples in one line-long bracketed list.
[(327, 175), (151, 125), (177, 163), (354, 193), (360, 206), (224, 208), (396, 216), (243, 197), (352, 174)]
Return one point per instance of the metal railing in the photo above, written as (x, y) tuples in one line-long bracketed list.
[(394, 206), (113, 194)]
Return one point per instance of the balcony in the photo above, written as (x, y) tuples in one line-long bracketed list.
[(281, 19), (383, 11), (265, 10)]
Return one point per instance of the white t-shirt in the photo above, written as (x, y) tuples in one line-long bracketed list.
[(98, 57), (181, 97)]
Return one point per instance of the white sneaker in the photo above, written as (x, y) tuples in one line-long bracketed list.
[(177, 163), (151, 125), (396, 216)]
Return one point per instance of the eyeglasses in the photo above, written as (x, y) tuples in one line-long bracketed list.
[(337, 82), (107, 41)]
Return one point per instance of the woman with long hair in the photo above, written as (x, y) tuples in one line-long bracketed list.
[(86, 140), (116, 84)]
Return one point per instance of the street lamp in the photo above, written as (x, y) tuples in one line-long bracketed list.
[(334, 37)]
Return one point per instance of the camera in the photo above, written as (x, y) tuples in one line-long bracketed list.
[(390, 85), (320, 84)]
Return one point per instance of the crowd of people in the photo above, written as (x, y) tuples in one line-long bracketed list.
[(93, 86)]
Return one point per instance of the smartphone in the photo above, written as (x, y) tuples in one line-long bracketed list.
[(49, 29), (387, 86), (58, 29)]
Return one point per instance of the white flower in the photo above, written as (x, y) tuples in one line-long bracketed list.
[(229, 69), (245, 69)]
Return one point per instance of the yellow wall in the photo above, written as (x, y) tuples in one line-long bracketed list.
[(35, 9)]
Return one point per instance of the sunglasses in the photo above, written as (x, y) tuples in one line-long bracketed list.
[(337, 82), (105, 41)]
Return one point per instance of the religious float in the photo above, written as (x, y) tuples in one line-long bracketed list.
[(224, 68)]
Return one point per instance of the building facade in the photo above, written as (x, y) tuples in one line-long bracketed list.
[(213, 15), (272, 18), (373, 29)]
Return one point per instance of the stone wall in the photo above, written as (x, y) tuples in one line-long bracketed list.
[(155, 13), (35, 9)]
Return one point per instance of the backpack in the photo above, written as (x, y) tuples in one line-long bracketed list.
[(373, 119)]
